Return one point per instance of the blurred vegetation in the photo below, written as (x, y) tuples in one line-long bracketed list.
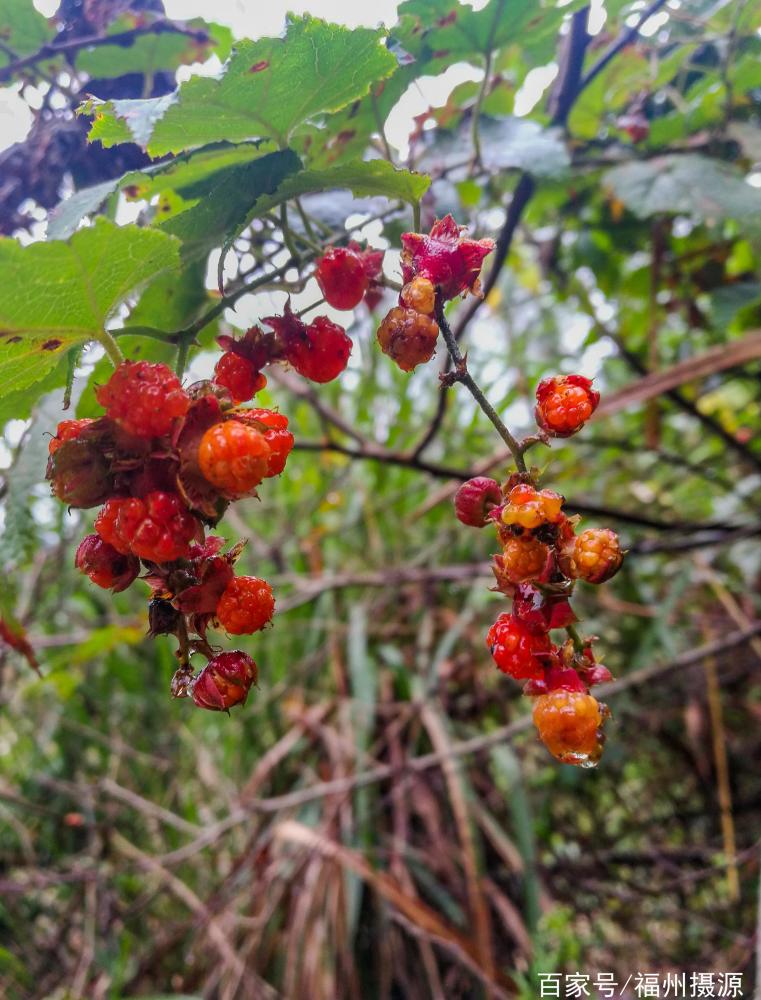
[(380, 820)]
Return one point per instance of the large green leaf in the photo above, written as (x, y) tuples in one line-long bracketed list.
[(269, 88), (240, 203), (225, 199), (691, 185), (56, 295), (178, 175), (153, 53)]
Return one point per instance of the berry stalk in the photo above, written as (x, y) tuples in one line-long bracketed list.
[(462, 374)]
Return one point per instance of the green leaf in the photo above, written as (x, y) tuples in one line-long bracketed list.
[(269, 88), (24, 30), (56, 295), (152, 53), (126, 120), (20, 404), (693, 185), (179, 175), (225, 199), (523, 144), (232, 199), (66, 216), (443, 32)]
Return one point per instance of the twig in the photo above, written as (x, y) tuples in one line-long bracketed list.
[(122, 38), (461, 374)]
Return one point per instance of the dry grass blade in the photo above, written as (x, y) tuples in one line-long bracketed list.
[(426, 920), (717, 359), (458, 798)]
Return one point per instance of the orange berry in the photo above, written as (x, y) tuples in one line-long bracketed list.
[(570, 726), (234, 457), (408, 337), (246, 605), (595, 556), (420, 295), (523, 558)]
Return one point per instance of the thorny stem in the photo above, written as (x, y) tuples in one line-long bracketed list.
[(461, 374), (578, 642), (111, 348)]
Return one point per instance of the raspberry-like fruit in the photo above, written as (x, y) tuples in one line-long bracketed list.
[(474, 499), (530, 508), (564, 404), (234, 457), (105, 566), (420, 295), (239, 376), (157, 527), (570, 726), (68, 430), (143, 398), (445, 257), (409, 337), (224, 681), (594, 556), (524, 558), (277, 436), (517, 650), (320, 351), (246, 605), (342, 277)]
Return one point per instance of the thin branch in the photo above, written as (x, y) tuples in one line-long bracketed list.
[(122, 38), (625, 38), (374, 453), (461, 374)]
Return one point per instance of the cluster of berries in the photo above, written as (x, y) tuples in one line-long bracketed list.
[(542, 557), (435, 268), (163, 463)]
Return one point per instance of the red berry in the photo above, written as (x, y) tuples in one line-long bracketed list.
[(158, 527), (517, 650), (595, 556), (246, 605), (277, 436), (524, 558), (446, 258), (68, 430), (104, 565), (320, 351), (224, 681), (342, 277), (474, 499), (565, 403), (570, 726), (420, 295), (239, 376), (408, 337), (143, 398), (234, 457)]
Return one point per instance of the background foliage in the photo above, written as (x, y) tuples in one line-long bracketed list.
[(379, 820)]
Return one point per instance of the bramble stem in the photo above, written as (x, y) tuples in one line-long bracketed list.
[(578, 642), (111, 348), (461, 374)]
